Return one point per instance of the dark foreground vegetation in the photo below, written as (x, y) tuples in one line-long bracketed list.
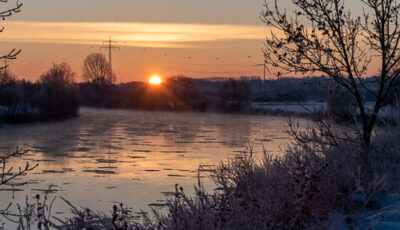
[(56, 96), (175, 94)]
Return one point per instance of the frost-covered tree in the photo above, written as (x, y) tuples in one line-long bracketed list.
[(323, 36)]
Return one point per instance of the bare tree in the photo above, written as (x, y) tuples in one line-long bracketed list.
[(322, 36), (58, 75), (60, 95), (97, 70), (4, 14)]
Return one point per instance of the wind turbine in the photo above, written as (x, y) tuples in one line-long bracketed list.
[(265, 68)]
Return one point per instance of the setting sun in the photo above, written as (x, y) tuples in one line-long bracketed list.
[(155, 80)]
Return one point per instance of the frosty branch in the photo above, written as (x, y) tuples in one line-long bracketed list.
[(322, 36)]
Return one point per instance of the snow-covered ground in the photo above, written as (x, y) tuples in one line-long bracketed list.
[(386, 218), (306, 107), (18, 110), (290, 106)]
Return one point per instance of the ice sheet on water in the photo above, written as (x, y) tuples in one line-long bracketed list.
[(98, 171), (101, 143)]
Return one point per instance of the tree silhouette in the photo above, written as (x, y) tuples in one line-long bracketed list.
[(60, 94), (4, 14), (234, 95), (183, 91), (97, 70), (322, 36)]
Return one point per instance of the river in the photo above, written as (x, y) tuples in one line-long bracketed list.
[(104, 157)]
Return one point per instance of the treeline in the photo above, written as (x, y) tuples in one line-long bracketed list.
[(307, 89), (177, 93), (54, 96)]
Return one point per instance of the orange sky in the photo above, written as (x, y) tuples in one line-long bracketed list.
[(167, 49), (167, 37), (196, 50)]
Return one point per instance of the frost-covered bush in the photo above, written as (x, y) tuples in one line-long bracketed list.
[(249, 196), (385, 156)]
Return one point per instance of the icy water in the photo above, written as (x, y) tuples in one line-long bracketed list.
[(105, 157)]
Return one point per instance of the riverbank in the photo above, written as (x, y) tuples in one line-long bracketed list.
[(26, 115)]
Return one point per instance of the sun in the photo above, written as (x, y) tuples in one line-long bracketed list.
[(155, 80)]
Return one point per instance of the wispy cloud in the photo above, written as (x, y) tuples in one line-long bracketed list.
[(129, 34)]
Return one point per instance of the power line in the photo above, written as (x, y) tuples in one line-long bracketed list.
[(219, 72), (188, 63)]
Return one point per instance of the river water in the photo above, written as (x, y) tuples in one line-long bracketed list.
[(105, 157)]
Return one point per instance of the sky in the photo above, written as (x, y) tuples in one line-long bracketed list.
[(168, 37), (206, 38)]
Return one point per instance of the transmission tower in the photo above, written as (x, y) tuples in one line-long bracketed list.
[(110, 46)]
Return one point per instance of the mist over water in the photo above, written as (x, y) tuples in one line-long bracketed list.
[(105, 156)]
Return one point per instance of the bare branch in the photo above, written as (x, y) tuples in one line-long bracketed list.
[(322, 36), (11, 55)]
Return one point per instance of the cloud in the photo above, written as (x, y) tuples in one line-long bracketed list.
[(172, 35)]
